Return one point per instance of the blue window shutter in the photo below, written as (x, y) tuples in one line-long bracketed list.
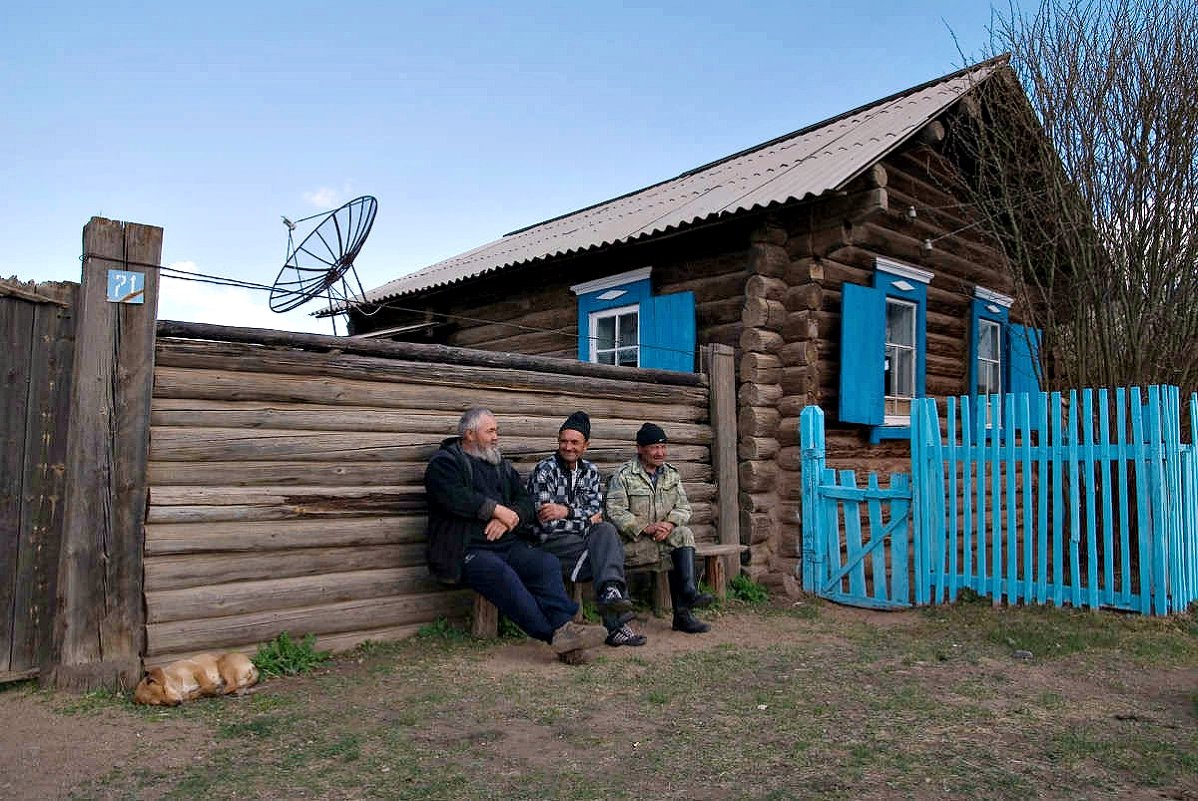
[(668, 332), (862, 354), (1023, 356)]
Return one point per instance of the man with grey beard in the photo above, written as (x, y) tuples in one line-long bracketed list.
[(477, 503)]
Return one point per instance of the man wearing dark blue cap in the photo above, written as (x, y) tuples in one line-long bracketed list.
[(566, 492), (645, 498)]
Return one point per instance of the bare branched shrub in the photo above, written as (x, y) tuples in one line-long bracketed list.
[(1083, 165)]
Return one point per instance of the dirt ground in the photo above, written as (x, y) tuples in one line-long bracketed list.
[(58, 746), (52, 743)]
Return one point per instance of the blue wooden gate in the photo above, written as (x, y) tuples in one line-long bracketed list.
[(856, 540), (1088, 498)]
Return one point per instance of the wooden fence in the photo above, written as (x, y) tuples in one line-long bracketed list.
[(37, 326), (218, 486), (286, 474), (1089, 499)]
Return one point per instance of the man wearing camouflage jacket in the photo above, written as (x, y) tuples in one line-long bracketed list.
[(645, 498)]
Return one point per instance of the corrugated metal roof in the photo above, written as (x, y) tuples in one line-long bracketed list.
[(821, 158)]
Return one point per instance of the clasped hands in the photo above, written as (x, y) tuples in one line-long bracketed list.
[(559, 511), (658, 531), (502, 521)]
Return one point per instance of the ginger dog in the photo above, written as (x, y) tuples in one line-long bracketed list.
[(187, 679)]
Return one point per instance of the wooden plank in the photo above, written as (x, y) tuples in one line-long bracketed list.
[(336, 642), (1121, 443), (1075, 505), (968, 457), (236, 444), (180, 538), (954, 501), (1011, 500), (1042, 493), (16, 328), (900, 562), (244, 358), (1024, 413), (246, 597), (224, 632), (852, 538), (189, 413), (419, 352), (99, 633), (721, 367), (1058, 503), (831, 528), (265, 474), (45, 478), (484, 618), (1088, 478), (996, 529), (877, 553), (218, 385), (195, 570)]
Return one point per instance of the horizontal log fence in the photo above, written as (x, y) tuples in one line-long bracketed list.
[(286, 474)]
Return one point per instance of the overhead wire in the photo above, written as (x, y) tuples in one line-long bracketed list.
[(206, 278)]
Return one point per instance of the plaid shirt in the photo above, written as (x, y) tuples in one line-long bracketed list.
[(550, 482)]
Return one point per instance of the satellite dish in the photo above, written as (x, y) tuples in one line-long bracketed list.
[(320, 265)]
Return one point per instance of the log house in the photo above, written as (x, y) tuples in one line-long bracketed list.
[(803, 254)]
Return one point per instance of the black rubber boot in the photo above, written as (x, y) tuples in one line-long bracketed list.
[(684, 566), (683, 619)]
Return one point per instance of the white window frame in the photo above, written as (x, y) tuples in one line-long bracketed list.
[(984, 322), (903, 419), (616, 312)]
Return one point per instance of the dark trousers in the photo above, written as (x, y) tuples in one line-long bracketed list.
[(524, 583), (604, 552), (597, 556)]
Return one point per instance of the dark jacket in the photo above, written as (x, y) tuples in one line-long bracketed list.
[(457, 512)]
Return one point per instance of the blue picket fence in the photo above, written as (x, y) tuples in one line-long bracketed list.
[(1088, 498)]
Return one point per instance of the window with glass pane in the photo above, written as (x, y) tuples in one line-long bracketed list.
[(617, 339), (989, 358), (900, 359)]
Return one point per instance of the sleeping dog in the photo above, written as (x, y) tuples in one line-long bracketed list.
[(186, 679)]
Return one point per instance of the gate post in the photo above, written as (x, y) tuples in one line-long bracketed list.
[(721, 375), (811, 434), (99, 626)]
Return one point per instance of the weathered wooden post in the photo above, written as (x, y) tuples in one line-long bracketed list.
[(721, 373), (99, 627)]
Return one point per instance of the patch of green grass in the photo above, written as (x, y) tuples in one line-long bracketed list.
[(441, 629), (509, 630), (263, 726), (284, 656), (95, 702), (744, 589)]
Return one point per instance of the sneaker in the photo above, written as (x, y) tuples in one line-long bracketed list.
[(571, 636), (577, 657), (612, 599), (625, 636)]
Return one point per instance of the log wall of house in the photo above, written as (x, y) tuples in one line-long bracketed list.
[(802, 262), (531, 309), (286, 485)]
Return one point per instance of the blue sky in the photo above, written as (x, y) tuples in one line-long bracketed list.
[(465, 120)]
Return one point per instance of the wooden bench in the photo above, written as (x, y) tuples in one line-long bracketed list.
[(485, 622)]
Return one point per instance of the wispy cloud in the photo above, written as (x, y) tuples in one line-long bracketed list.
[(197, 302), (326, 197)]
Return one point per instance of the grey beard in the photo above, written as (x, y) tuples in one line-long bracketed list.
[(491, 455)]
